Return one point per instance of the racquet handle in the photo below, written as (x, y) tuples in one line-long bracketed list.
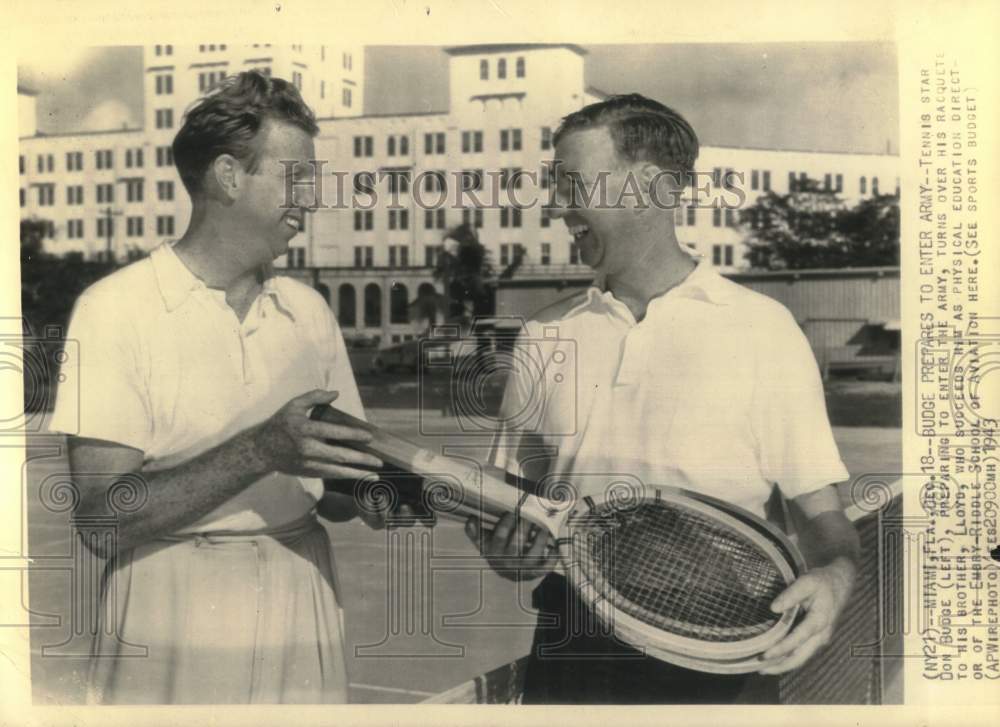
[(487, 488)]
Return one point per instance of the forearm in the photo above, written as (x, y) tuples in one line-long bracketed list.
[(831, 541), (179, 496)]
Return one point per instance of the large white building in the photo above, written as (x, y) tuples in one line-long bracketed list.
[(117, 191), (372, 253)]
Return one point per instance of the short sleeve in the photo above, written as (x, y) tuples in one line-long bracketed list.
[(339, 375), (102, 392), (796, 445)]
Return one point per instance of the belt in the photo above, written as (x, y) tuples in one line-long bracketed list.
[(284, 533)]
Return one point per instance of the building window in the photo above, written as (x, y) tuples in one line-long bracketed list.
[(875, 186), (434, 219), (472, 179), (134, 190), (133, 158), (348, 61), (164, 118), (717, 177), (472, 142), (399, 219), (754, 179), (728, 250), (296, 257), (502, 68), (574, 254), (399, 304), (74, 194), (164, 85), (716, 254), (297, 79), (165, 225), (105, 227), (373, 305), (520, 67), (728, 178), (103, 159), (164, 156), (510, 217), (345, 97), (20, 164), (545, 256), (399, 181), (546, 138), (838, 183), (730, 218), (863, 185), (397, 143), (399, 256), (46, 163), (46, 195), (678, 216), (691, 216), (545, 220), (168, 50), (364, 256), (347, 314), (510, 140), (717, 217), (106, 193), (767, 181), (472, 217), (164, 191), (434, 181), (505, 250), (133, 226), (484, 70), (159, 49), (22, 197), (74, 161), (74, 229), (434, 143), (363, 146)]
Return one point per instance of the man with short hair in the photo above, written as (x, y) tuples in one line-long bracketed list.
[(198, 369), (682, 377)]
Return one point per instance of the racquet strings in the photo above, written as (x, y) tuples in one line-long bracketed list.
[(678, 570)]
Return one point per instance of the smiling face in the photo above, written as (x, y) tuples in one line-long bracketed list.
[(602, 234), (264, 219)]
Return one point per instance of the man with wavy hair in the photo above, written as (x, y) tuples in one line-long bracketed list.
[(198, 370), (682, 377)]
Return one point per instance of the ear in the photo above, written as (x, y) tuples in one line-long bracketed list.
[(227, 173)]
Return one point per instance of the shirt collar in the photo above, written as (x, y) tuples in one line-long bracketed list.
[(703, 283), (176, 281)]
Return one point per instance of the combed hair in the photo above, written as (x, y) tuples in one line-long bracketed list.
[(228, 119), (642, 130)]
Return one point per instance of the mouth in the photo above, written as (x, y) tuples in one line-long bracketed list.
[(578, 231)]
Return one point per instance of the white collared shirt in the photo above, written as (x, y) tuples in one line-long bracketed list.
[(166, 367), (715, 390)]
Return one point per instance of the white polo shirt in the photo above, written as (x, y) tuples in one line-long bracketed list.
[(715, 390), (166, 367)]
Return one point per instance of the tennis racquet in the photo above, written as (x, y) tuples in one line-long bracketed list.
[(683, 576)]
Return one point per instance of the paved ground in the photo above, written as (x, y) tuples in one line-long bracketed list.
[(400, 651)]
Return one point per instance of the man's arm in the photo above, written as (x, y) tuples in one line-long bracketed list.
[(830, 541), (287, 442)]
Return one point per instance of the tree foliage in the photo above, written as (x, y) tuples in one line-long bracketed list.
[(814, 228), (465, 270)]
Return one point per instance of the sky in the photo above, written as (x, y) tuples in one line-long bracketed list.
[(840, 97)]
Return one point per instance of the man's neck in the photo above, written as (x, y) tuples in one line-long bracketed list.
[(659, 266), (216, 256)]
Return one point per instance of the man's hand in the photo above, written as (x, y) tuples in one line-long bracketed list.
[(292, 443), (515, 549), (823, 593)]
